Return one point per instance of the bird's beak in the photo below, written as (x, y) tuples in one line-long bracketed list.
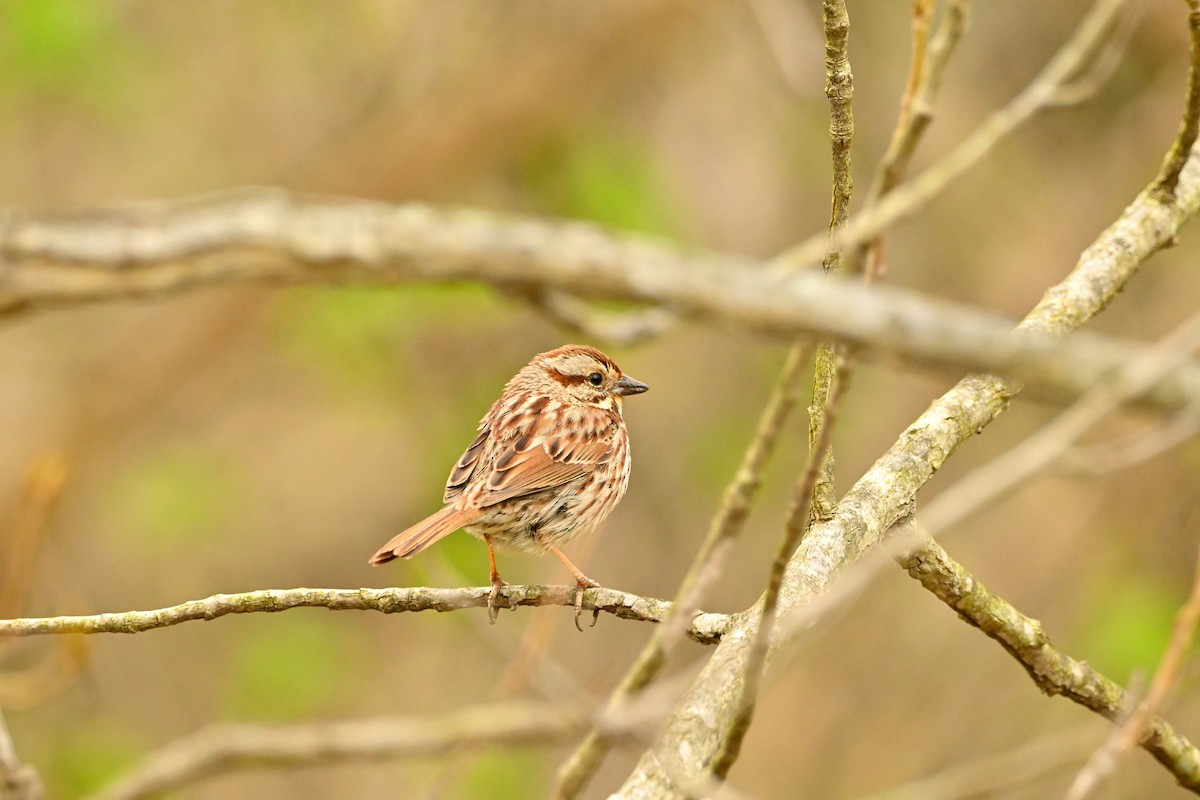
[(628, 385)]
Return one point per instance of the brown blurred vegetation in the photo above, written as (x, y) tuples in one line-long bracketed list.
[(250, 438)]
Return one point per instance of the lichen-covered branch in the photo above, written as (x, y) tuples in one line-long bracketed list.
[(1054, 672), (839, 89), (705, 628), (1189, 126)]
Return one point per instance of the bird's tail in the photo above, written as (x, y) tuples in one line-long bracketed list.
[(424, 533)]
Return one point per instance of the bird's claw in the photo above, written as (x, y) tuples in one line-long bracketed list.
[(585, 583), (493, 609)]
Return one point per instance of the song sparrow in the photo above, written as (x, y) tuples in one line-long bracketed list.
[(550, 462)]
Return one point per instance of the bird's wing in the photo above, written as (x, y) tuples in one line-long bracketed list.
[(465, 468), (543, 459)]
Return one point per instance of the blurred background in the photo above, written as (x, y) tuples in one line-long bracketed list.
[(248, 438)]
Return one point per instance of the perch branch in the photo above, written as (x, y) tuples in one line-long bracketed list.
[(704, 628)]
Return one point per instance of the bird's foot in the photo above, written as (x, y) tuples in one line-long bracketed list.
[(584, 582), (497, 590)]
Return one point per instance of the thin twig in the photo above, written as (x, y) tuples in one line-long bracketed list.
[(17, 781), (43, 485), (839, 89), (1189, 126), (620, 328), (927, 69), (796, 525), (998, 775), (1104, 760), (1043, 92), (220, 748), (1000, 476), (1131, 450), (704, 628)]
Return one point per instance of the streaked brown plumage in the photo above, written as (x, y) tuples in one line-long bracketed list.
[(550, 462)]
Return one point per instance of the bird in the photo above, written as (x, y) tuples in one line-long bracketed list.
[(550, 462)]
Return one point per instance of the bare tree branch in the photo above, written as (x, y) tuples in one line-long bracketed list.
[(986, 484), (839, 89), (887, 489), (998, 775), (1054, 672), (17, 781), (628, 328), (705, 628), (218, 749), (1189, 126), (1045, 91), (798, 522), (1104, 761), (43, 485), (275, 238), (1136, 448), (1021, 636)]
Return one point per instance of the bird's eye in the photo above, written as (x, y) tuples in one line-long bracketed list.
[(595, 379)]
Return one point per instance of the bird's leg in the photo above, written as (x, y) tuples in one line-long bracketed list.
[(581, 582), (497, 583)]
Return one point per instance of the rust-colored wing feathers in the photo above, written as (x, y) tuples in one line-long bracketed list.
[(531, 463)]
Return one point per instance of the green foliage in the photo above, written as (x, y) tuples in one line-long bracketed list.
[(66, 46), (511, 773), (356, 335), (289, 669), (600, 178), (174, 497), (467, 556), (1130, 627), (87, 757)]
